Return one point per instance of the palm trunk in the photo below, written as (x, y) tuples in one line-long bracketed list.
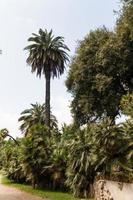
[(47, 100)]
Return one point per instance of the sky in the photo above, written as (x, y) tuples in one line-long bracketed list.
[(72, 19)]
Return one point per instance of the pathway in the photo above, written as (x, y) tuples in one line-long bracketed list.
[(8, 193)]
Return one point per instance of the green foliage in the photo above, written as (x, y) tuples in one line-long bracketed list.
[(34, 115), (127, 105), (100, 80), (4, 133), (101, 71), (47, 56), (11, 160), (47, 53), (36, 153), (87, 80), (72, 158), (80, 170), (113, 143)]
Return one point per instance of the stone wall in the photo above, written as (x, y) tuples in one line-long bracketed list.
[(111, 190), (101, 191)]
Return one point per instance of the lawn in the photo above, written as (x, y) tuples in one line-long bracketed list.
[(41, 193)]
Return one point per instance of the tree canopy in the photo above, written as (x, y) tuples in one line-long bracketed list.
[(101, 71)]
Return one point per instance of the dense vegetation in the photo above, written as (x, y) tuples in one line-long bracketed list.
[(94, 146)]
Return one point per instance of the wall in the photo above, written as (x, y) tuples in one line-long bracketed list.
[(111, 190)]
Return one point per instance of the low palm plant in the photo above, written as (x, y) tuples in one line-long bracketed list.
[(80, 170), (34, 115), (36, 154)]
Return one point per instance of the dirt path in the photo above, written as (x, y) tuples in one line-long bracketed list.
[(8, 193)]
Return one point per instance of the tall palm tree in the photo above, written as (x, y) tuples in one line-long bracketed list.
[(48, 56), (34, 115)]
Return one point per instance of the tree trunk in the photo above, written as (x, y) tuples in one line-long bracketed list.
[(47, 99), (92, 191)]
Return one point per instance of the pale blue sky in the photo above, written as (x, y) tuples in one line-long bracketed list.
[(72, 19)]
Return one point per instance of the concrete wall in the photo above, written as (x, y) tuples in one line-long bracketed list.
[(120, 191), (111, 190)]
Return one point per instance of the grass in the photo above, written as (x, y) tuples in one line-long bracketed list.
[(41, 193)]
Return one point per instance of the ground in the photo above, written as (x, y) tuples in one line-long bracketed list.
[(8, 193)]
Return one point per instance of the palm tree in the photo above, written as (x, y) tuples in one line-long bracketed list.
[(114, 147), (4, 133), (34, 115), (47, 55)]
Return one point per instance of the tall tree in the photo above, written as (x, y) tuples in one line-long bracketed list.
[(48, 56), (89, 82), (101, 72)]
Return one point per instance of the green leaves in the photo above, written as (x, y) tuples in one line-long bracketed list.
[(101, 71), (34, 115), (80, 169), (47, 52)]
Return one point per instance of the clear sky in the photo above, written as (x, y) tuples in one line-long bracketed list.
[(72, 19)]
